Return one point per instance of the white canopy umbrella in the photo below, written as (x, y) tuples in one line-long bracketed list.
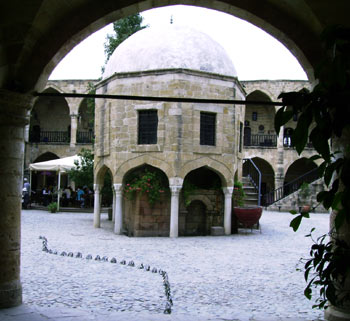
[(60, 165)]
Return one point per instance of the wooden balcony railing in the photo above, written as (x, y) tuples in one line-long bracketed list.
[(261, 140), (49, 137), (85, 137)]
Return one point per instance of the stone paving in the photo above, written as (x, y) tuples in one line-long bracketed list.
[(247, 276)]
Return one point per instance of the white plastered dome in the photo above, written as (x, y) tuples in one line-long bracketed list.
[(170, 47)]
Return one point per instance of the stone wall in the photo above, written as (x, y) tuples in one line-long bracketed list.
[(142, 219), (273, 88), (177, 150)]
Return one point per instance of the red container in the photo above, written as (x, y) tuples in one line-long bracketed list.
[(248, 216)]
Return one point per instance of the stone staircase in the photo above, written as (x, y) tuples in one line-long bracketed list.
[(251, 195)]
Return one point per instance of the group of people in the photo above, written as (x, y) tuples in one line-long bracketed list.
[(82, 197)]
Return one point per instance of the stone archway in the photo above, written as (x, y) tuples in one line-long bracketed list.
[(259, 122), (50, 120), (143, 160), (34, 45), (142, 216), (219, 168), (301, 170), (47, 51), (267, 174), (202, 202)]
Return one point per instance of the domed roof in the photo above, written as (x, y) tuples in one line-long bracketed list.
[(167, 48)]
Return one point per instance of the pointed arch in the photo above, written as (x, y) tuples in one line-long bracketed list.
[(142, 160), (219, 168), (46, 157)]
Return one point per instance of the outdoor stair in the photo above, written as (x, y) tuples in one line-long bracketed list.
[(251, 195)]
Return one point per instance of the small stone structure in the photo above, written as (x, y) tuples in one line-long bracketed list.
[(146, 65), (181, 138)]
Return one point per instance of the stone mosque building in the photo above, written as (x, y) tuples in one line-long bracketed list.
[(205, 145)]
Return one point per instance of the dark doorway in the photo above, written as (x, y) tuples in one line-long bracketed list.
[(196, 222), (247, 136)]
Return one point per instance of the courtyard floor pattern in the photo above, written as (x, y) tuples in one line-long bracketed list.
[(246, 276)]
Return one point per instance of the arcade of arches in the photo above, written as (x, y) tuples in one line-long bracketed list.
[(39, 35)]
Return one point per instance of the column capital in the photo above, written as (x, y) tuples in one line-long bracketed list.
[(118, 188), (228, 191), (97, 187), (175, 181), (175, 189), (14, 108)]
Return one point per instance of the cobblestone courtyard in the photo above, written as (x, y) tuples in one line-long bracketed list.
[(247, 276)]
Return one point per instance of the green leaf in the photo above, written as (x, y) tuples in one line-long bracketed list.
[(307, 293), (320, 143), (328, 174), (293, 212), (281, 118), (322, 168), (301, 132), (339, 219), (295, 222), (314, 157)]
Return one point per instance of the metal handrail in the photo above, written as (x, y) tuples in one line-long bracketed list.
[(254, 176), (291, 187)]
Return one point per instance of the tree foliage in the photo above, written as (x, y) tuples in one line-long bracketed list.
[(83, 173), (123, 29), (323, 115)]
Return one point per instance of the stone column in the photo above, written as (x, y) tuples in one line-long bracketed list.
[(334, 313), (13, 118), (279, 170), (228, 209), (113, 204), (174, 212), (118, 224), (73, 129), (97, 207)]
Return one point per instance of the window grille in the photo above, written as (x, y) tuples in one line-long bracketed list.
[(240, 136), (148, 125), (254, 116), (207, 128)]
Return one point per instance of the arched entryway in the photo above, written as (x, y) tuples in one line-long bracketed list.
[(86, 117), (267, 176), (42, 179), (259, 122), (50, 120), (37, 47), (302, 170), (202, 202), (146, 208)]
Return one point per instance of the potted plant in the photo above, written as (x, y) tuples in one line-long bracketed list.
[(238, 194), (246, 216), (52, 207), (304, 198)]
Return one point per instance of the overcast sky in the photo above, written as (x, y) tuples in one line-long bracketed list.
[(255, 54)]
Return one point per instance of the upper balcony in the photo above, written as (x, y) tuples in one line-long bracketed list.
[(260, 140), (60, 137)]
